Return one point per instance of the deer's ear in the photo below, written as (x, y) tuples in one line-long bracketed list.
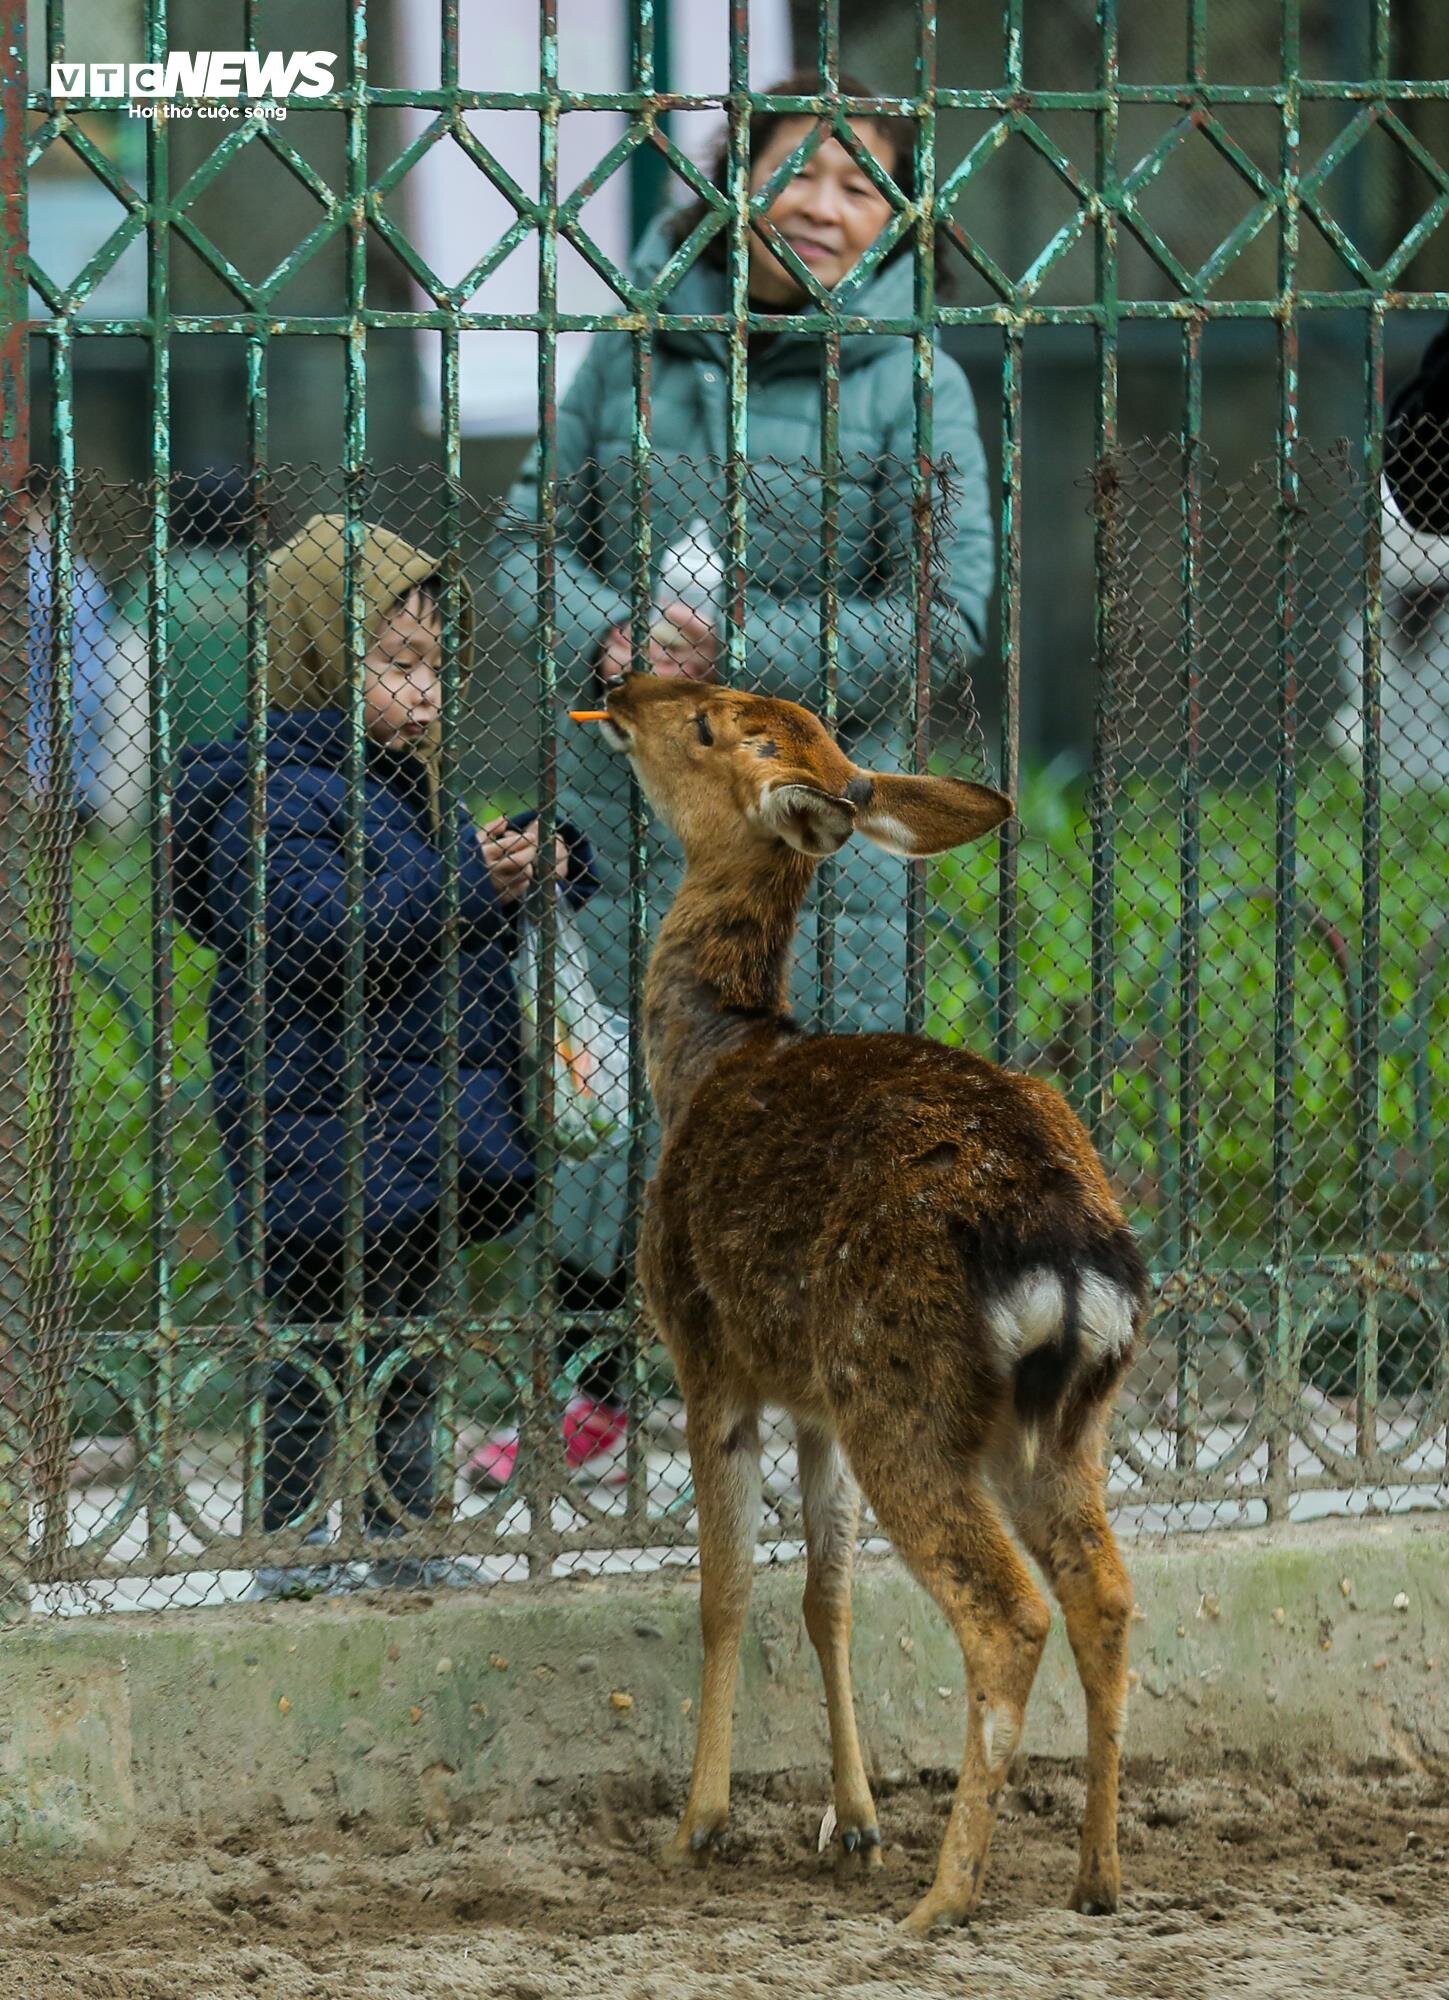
[(809, 820), (913, 816)]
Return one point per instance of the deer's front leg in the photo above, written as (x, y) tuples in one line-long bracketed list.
[(724, 1450)]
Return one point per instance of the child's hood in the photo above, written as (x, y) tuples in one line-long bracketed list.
[(305, 595), (307, 677)]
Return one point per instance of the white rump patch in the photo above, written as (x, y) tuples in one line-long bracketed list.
[(1106, 1313), (1033, 1311), (1030, 1314)]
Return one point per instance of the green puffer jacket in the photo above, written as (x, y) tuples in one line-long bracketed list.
[(594, 561)]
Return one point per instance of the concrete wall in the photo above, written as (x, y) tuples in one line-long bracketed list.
[(1325, 1645)]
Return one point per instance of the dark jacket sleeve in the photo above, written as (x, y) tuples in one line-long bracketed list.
[(1416, 444), (306, 886)]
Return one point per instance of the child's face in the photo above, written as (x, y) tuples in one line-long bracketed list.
[(402, 688)]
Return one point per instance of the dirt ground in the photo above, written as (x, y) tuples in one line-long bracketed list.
[(1238, 1884)]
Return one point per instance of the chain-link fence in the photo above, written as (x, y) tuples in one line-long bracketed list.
[(337, 1126), (323, 1119)]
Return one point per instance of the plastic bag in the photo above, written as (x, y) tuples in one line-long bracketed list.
[(591, 1044)]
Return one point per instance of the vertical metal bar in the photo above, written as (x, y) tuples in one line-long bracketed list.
[(251, 1238), (1286, 790), (828, 25), (447, 1303), (52, 1053), (737, 413), (1197, 33), (1014, 53), (923, 542), (641, 500), (827, 892), (53, 1135), (536, 1462), (1370, 989), (646, 45), (15, 1356), (354, 1441), (651, 62), (1104, 806), (1187, 1245), (163, 1001), (1379, 39), (641, 485), (1008, 877), (451, 1300)]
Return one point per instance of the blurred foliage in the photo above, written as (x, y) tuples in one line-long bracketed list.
[(1235, 1042)]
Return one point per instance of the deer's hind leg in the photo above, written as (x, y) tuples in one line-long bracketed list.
[(1059, 1511), (724, 1451), (831, 1504), (947, 1528)]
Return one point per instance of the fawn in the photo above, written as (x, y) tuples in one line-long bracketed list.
[(914, 1251)]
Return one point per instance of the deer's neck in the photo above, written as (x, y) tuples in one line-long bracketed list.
[(720, 971)]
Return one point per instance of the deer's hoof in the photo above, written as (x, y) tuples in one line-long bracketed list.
[(1099, 1884), (692, 1846), (933, 1913), (858, 1846)]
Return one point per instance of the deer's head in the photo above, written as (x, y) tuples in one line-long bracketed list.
[(734, 774)]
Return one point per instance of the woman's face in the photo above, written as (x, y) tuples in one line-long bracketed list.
[(402, 689), (829, 214)]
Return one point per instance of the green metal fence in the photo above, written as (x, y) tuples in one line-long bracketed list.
[(1223, 937)]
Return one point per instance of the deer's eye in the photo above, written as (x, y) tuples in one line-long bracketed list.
[(701, 723)]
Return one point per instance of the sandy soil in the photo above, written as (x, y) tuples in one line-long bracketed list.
[(1236, 1885)]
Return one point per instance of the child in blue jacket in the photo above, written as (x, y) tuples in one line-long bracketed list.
[(305, 1012)]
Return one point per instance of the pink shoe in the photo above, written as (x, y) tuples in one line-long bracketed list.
[(595, 1444), (596, 1439), (492, 1463)]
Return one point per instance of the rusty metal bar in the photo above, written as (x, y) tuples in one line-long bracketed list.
[(1008, 889), (15, 1339), (537, 1457), (923, 493), (1280, 1387), (1104, 803), (1187, 1245), (1369, 1022)]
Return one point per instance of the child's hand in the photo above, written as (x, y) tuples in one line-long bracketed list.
[(511, 855)]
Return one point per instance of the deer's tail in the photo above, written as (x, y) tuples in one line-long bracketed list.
[(1056, 1307)]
